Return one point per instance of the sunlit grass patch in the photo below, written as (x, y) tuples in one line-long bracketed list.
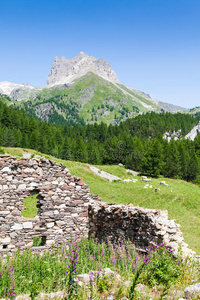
[(30, 204)]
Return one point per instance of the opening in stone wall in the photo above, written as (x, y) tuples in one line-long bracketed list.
[(32, 204), (39, 241)]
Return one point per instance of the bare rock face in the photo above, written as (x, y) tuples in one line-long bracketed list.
[(65, 71)]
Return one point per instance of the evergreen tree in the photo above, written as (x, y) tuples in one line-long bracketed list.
[(153, 159), (173, 164), (193, 168)]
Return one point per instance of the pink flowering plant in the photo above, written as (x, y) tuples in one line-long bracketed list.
[(56, 270)]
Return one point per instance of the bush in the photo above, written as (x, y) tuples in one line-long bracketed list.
[(161, 267)]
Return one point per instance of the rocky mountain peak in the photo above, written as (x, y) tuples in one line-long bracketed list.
[(67, 70)]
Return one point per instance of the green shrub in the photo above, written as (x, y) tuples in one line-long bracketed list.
[(161, 267)]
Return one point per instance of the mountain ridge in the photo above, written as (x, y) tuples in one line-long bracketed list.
[(83, 88)]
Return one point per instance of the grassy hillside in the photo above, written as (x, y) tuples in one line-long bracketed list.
[(183, 204), (90, 98)]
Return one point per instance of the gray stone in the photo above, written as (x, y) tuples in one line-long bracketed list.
[(28, 225), (192, 290), (4, 212), (49, 225), (17, 226), (29, 170), (22, 186), (34, 184), (6, 241), (6, 170)]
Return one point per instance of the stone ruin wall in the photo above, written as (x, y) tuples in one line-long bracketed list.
[(66, 206), (142, 227), (63, 202)]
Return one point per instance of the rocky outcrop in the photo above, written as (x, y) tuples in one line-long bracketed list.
[(194, 132), (66, 71)]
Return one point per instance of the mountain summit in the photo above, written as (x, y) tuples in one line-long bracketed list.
[(67, 70)]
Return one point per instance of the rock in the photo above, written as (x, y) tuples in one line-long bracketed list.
[(4, 212), (110, 297), (127, 180), (6, 170), (192, 290), (56, 295), (49, 225), (27, 225), (23, 297), (17, 226), (6, 240), (67, 70), (83, 278), (127, 283), (140, 287), (81, 182), (22, 186), (29, 170)]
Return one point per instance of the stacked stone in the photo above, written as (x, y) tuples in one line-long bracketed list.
[(143, 227), (63, 203)]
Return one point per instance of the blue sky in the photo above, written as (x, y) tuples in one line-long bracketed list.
[(152, 45)]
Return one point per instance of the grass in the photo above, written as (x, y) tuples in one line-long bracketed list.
[(30, 210), (183, 204)]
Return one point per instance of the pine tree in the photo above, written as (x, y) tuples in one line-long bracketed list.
[(153, 160), (173, 164), (193, 168)]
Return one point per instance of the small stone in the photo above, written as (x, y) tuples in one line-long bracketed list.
[(81, 183), (4, 212), (17, 226), (29, 170), (28, 225), (22, 186), (83, 277), (23, 297), (6, 241), (49, 225), (6, 170)]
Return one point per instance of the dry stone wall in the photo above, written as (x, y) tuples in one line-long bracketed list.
[(66, 206), (143, 227), (63, 202)]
